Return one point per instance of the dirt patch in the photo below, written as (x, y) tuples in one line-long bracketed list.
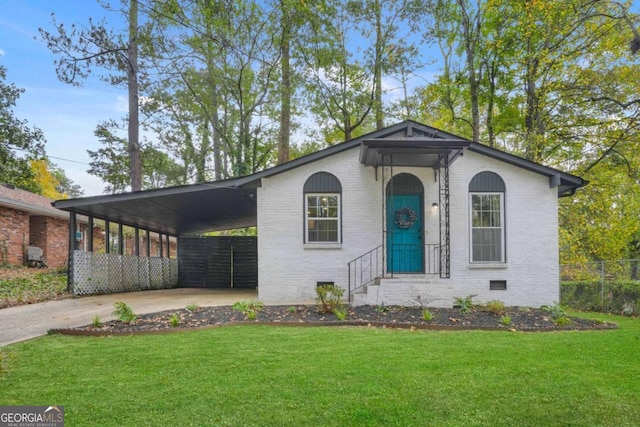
[(521, 319)]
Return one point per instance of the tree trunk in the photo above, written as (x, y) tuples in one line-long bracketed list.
[(132, 86), (470, 41), (285, 89), (377, 103)]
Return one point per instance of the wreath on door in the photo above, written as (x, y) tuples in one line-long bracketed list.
[(405, 217)]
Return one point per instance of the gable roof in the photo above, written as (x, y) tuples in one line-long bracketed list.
[(231, 203)]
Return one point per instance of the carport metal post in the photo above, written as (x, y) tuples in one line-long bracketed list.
[(90, 235), (120, 240), (107, 237), (136, 246), (72, 247)]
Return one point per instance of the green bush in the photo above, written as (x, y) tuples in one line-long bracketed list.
[(329, 298), (250, 309), (427, 315), (174, 320), (493, 306), (465, 304), (123, 312), (619, 296)]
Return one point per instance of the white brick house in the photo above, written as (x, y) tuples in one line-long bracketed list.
[(392, 183), (405, 215)]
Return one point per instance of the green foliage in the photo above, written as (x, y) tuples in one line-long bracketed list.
[(619, 296), (381, 308), (555, 311), (123, 312), (329, 298), (33, 287), (19, 143), (505, 320), (192, 307), (341, 313), (427, 315), (493, 306), (562, 321), (250, 309), (465, 304), (292, 309), (111, 162), (96, 322), (174, 320)]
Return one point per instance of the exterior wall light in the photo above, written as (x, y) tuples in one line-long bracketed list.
[(434, 206)]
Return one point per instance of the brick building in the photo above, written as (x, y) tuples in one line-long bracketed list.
[(28, 219)]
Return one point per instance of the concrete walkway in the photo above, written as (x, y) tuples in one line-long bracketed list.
[(29, 321)]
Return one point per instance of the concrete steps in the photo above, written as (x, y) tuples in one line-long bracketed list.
[(408, 290)]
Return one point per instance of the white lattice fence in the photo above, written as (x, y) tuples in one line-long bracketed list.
[(95, 273)]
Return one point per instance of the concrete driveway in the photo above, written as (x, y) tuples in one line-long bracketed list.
[(30, 321)]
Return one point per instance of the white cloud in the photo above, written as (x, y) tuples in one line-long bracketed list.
[(1, 52)]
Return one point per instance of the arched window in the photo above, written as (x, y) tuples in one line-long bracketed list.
[(486, 201), (322, 192)]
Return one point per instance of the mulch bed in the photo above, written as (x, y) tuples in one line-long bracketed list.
[(522, 319)]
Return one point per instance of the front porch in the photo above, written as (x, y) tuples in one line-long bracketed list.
[(415, 248)]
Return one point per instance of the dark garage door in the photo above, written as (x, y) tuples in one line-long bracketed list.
[(218, 262)]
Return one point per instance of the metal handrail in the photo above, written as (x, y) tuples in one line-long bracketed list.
[(366, 268), (370, 266)]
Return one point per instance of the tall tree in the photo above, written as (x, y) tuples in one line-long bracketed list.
[(19, 143), (82, 48)]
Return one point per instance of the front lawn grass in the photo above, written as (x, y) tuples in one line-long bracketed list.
[(342, 376)]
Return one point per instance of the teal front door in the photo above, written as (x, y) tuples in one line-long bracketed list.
[(405, 250)]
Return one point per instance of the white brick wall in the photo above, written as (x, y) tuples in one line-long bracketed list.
[(289, 269)]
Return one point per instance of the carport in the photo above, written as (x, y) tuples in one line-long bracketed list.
[(181, 212)]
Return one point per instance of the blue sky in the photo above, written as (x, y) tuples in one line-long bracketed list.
[(67, 115)]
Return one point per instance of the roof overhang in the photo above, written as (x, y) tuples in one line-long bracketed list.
[(180, 210), (566, 183), (411, 151)]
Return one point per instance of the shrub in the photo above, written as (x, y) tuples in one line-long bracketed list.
[(250, 309), (619, 296), (292, 309), (505, 320), (123, 312), (192, 307), (555, 311), (494, 306), (562, 321), (341, 313), (427, 315), (329, 298), (465, 304), (96, 321), (381, 308), (174, 320)]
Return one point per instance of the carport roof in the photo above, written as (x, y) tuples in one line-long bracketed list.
[(175, 210), (231, 203)]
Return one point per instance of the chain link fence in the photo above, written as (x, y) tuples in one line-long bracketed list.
[(605, 286)]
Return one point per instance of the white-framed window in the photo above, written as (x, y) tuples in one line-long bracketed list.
[(322, 218), (487, 243), (487, 227)]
